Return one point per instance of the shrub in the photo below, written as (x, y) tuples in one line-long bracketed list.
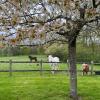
[(59, 50)]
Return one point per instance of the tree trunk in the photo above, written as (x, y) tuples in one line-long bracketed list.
[(72, 69)]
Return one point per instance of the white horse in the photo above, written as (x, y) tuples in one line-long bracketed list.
[(53, 62)]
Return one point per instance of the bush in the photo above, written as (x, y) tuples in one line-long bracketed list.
[(59, 50), (15, 51), (87, 53), (84, 53)]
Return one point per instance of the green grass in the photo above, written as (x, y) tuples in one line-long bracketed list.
[(55, 87), (33, 65), (23, 58), (89, 87), (33, 86)]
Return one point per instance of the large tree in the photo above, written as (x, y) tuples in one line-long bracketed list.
[(35, 19)]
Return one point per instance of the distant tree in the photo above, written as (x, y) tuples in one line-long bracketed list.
[(48, 19), (57, 49)]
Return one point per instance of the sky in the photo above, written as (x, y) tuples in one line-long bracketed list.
[(2, 32)]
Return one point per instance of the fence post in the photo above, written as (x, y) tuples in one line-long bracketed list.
[(92, 63), (10, 67), (68, 66), (41, 67)]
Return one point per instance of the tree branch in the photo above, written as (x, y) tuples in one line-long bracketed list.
[(92, 20), (94, 4), (49, 41)]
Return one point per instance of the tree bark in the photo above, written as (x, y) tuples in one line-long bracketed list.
[(72, 69)]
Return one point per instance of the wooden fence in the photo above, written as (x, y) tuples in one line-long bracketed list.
[(41, 70)]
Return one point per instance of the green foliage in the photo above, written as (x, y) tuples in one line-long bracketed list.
[(84, 53), (88, 53), (14, 51), (25, 51), (40, 50), (59, 50), (34, 1)]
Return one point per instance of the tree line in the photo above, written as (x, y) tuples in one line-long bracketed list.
[(85, 53)]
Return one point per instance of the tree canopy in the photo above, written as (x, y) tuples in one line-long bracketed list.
[(61, 19), (22, 19)]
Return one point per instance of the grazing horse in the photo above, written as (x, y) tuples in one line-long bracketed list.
[(53, 62), (85, 68), (32, 58)]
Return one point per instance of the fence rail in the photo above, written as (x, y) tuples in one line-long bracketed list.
[(41, 70), (44, 62), (28, 62)]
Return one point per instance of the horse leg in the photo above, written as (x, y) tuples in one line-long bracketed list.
[(83, 73), (53, 68), (51, 65), (56, 67), (86, 73), (35, 59)]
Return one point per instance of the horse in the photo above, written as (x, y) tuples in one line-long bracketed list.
[(85, 68), (53, 62), (32, 58)]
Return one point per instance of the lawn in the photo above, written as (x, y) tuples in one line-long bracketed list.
[(54, 87), (33, 86)]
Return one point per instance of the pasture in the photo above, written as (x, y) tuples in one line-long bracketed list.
[(33, 86), (47, 88)]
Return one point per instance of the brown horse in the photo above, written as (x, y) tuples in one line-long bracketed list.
[(32, 58), (85, 68)]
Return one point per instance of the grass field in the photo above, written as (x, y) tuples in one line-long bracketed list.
[(32, 86), (47, 88)]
